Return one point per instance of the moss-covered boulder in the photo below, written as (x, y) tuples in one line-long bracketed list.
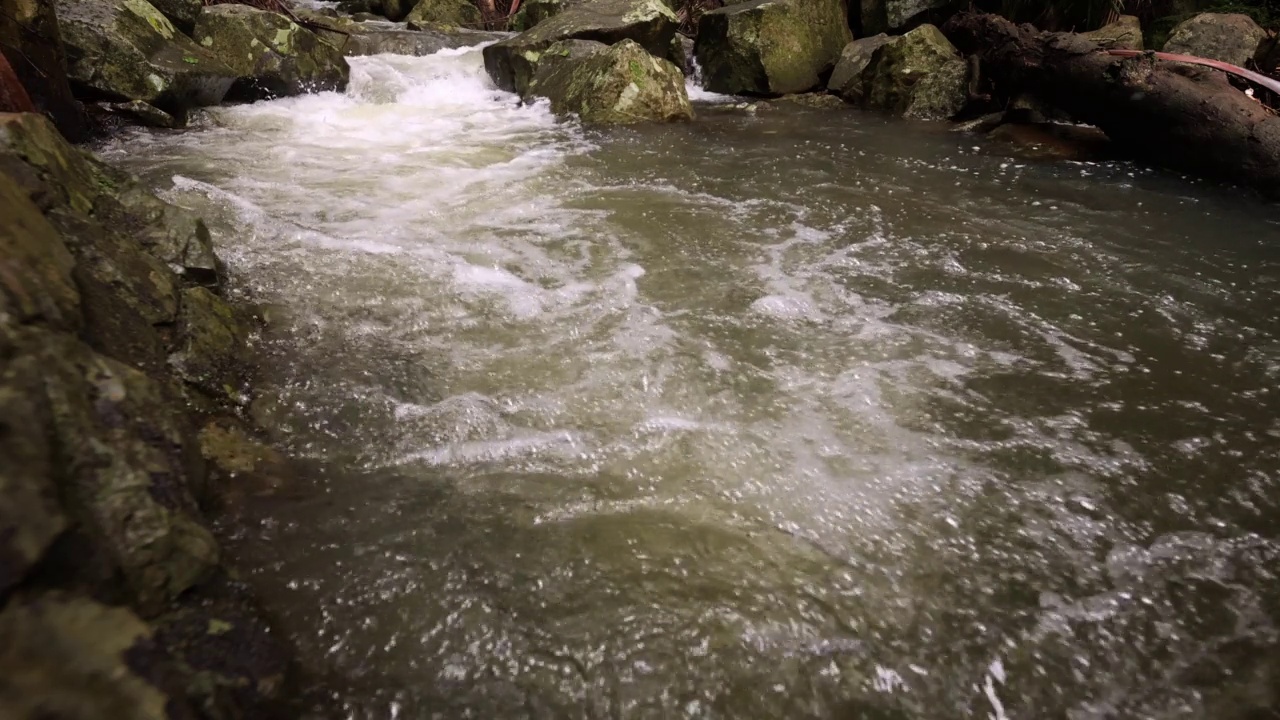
[(611, 84), (32, 43), (849, 79), (451, 13), (128, 50), (394, 10), (917, 75), (1229, 37), (649, 23), (127, 454), (72, 179), (770, 47), (271, 55), (1123, 34)]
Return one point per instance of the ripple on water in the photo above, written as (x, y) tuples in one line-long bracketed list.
[(787, 413)]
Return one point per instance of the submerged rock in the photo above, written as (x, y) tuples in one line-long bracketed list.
[(650, 23), (32, 42), (271, 55), (611, 84), (770, 47), (444, 12), (130, 51), (917, 75), (1123, 34), (1231, 38)]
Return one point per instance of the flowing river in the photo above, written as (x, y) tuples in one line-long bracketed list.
[(784, 413)]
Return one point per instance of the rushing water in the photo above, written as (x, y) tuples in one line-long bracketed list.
[(787, 413)]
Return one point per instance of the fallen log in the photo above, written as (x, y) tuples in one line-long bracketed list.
[(1177, 116)]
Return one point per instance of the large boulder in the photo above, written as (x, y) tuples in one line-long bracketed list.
[(1231, 38), (650, 23), (770, 47), (611, 84), (455, 13), (917, 75), (75, 181), (32, 43), (271, 55), (127, 457), (1123, 34), (128, 50)]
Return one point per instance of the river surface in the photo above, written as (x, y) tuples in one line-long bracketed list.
[(784, 413)]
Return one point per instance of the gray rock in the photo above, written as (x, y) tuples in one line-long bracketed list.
[(650, 23), (847, 80), (1231, 38), (616, 84), (128, 50), (271, 55)]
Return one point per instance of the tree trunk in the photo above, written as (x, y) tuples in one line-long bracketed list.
[(30, 41), (1178, 116)]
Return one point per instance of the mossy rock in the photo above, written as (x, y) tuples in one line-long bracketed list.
[(36, 283), (1229, 37), (918, 75), (31, 518), (455, 13), (770, 47), (128, 458), (271, 55), (897, 15), (214, 347), (128, 50), (71, 178), (651, 24), (611, 84)]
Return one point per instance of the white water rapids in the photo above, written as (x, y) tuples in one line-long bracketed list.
[(783, 413)]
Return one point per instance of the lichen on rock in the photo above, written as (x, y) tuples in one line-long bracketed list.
[(770, 47), (131, 51), (651, 24), (610, 84), (271, 55)]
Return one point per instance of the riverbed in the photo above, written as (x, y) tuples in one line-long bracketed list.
[(788, 412)]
